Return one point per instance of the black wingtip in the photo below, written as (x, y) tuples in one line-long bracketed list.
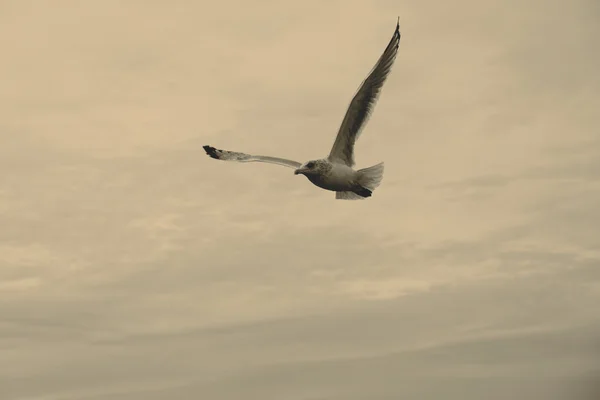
[(398, 26), (211, 151)]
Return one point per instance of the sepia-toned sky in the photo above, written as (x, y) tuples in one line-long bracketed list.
[(132, 266)]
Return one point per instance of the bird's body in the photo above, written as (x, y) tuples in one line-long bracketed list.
[(337, 177), (329, 176), (336, 172)]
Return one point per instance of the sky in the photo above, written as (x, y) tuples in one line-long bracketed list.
[(132, 266)]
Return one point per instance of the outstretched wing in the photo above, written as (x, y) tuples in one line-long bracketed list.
[(363, 103), (242, 157)]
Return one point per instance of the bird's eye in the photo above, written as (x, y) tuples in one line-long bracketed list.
[(310, 165)]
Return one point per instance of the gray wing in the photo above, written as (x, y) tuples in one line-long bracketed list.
[(363, 103), (242, 157)]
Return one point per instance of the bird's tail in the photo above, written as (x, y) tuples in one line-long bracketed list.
[(348, 196), (370, 178)]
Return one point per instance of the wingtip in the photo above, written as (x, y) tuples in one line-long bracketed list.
[(398, 25), (211, 151)]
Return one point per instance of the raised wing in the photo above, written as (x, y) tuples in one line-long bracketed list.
[(242, 157), (363, 103)]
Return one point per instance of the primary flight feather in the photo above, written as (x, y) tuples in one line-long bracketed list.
[(335, 172)]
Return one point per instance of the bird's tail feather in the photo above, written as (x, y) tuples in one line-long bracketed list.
[(370, 178), (348, 196)]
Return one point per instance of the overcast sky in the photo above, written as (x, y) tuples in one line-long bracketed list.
[(132, 266)]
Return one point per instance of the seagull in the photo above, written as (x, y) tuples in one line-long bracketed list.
[(335, 172)]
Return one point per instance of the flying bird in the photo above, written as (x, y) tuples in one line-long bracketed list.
[(335, 172)]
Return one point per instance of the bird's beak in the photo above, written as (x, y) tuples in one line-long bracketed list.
[(299, 171)]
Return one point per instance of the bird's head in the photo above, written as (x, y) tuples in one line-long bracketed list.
[(313, 167)]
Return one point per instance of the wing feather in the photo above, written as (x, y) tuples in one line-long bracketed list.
[(226, 155), (362, 104)]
